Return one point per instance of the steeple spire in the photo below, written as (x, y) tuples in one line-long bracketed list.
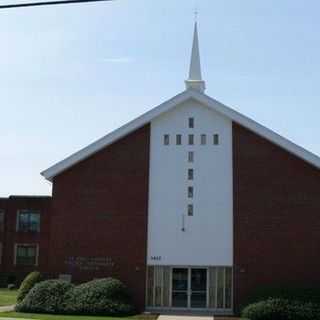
[(195, 79)]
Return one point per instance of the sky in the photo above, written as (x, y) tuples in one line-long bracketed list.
[(70, 74)]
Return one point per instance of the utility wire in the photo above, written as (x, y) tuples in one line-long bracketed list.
[(45, 3)]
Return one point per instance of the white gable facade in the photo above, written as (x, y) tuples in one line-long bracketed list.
[(199, 222)]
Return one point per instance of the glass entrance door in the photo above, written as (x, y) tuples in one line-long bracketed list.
[(189, 288), (180, 287), (198, 288)]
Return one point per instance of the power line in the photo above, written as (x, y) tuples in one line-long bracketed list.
[(45, 3)]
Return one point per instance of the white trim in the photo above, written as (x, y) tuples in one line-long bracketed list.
[(114, 136), (208, 282), (139, 122), (216, 288), (146, 286), (260, 130), (224, 288), (170, 288), (26, 244)]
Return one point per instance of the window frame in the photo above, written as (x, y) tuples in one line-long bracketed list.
[(216, 139), (178, 139), (36, 258), (191, 123), (203, 139), (28, 229), (191, 156), (191, 174), (2, 220), (190, 192), (190, 139), (190, 210), (166, 139)]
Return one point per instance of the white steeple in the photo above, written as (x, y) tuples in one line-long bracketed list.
[(195, 79)]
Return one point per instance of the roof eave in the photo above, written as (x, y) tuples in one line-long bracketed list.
[(137, 123), (115, 135)]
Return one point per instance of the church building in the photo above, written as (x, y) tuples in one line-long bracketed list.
[(192, 205)]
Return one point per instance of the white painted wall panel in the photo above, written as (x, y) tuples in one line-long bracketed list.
[(208, 236)]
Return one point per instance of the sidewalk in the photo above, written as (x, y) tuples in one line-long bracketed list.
[(194, 317), (6, 308)]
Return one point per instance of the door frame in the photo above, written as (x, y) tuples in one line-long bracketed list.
[(189, 268)]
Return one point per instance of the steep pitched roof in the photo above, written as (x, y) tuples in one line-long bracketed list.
[(139, 122)]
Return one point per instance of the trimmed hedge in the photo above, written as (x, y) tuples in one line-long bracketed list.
[(45, 297), (99, 297), (303, 294), (281, 309), (27, 284)]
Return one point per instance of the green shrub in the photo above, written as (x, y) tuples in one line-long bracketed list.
[(99, 297), (45, 297), (281, 309), (27, 284), (303, 294)]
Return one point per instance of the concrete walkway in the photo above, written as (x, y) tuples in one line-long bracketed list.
[(6, 308), (194, 317), (184, 317), (4, 318)]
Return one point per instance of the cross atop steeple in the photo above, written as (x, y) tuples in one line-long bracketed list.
[(195, 78)]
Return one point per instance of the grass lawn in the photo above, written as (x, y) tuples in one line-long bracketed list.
[(60, 317), (8, 297)]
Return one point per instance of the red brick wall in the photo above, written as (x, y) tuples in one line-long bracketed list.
[(9, 236), (276, 216), (100, 211), (3, 206)]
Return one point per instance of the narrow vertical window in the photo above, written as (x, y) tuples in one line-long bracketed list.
[(220, 287), (203, 139), (190, 209), (166, 140), (1, 220), (191, 123), (228, 287), (191, 139), (215, 139), (190, 192), (190, 174), (190, 156), (178, 139)]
